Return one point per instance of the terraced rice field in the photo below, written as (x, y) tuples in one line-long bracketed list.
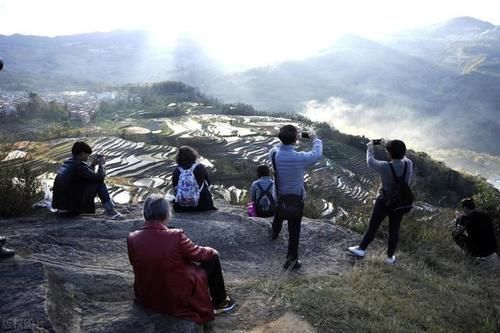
[(136, 169)]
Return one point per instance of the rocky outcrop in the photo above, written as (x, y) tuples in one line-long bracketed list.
[(73, 275)]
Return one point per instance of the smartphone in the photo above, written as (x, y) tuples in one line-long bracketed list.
[(304, 135), (377, 141)]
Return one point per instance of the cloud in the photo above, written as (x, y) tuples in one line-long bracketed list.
[(387, 121)]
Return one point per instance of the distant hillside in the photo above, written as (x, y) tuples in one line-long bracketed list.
[(34, 62), (377, 89), (436, 87), (463, 44)]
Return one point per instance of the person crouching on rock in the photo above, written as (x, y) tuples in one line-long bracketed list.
[(474, 232), (77, 184), (191, 183), (173, 275)]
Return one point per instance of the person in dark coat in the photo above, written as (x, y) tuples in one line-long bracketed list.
[(77, 184), (173, 275), (186, 159), (474, 232)]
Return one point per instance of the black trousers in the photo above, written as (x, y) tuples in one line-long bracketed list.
[(380, 212), (466, 244), (215, 280), (294, 222)]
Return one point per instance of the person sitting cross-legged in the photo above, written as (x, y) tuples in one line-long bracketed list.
[(173, 275), (77, 184)]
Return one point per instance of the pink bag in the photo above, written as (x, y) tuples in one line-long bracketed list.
[(251, 209)]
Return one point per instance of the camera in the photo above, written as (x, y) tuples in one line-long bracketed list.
[(304, 135), (377, 141), (98, 158)]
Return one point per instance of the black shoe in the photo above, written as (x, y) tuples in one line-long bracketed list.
[(225, 306), (293, 263), (3, 240), (6, 253)]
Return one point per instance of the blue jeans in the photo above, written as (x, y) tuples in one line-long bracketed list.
[(102, 193), (380, 211)]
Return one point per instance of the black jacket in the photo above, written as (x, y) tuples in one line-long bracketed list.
[(75, 186), (481, 238)]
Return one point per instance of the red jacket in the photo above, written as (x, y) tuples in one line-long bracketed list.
[(166, 279)]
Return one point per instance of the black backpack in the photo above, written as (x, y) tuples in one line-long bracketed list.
[(400, 198), (265, 205)]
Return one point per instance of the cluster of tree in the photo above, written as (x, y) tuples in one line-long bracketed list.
[(179, 91), (36, 107)]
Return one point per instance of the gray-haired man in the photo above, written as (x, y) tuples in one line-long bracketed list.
[(173, 275)]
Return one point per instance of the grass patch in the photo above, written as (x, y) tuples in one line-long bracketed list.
[(412, 296), (409, 297)]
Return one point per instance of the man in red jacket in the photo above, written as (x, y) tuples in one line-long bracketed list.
[(173, 275)]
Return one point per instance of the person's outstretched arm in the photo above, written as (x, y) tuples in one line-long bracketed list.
[(372, 162), (310, 157)]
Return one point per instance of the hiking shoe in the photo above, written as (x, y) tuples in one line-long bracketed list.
[(225, 306), (114, 215), (6, 253), (390, 260), (3, 240), (292, 263), (357, 251)]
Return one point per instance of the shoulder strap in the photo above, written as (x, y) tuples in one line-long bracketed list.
[(273, 158), (267, 190), (393, 172), (396, 179)]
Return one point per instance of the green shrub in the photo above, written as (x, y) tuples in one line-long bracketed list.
[(19, 189)]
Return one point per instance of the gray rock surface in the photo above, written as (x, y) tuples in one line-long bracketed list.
[(73, 274)]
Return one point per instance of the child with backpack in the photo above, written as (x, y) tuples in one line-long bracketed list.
[(191, 183), (262, 193), (394, 198)]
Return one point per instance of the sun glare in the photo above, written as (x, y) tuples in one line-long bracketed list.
[(237, 33)]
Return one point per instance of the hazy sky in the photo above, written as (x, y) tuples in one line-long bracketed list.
[(253, 31)]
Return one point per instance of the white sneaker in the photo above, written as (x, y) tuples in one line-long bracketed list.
[(357, 251), (390, 260)]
